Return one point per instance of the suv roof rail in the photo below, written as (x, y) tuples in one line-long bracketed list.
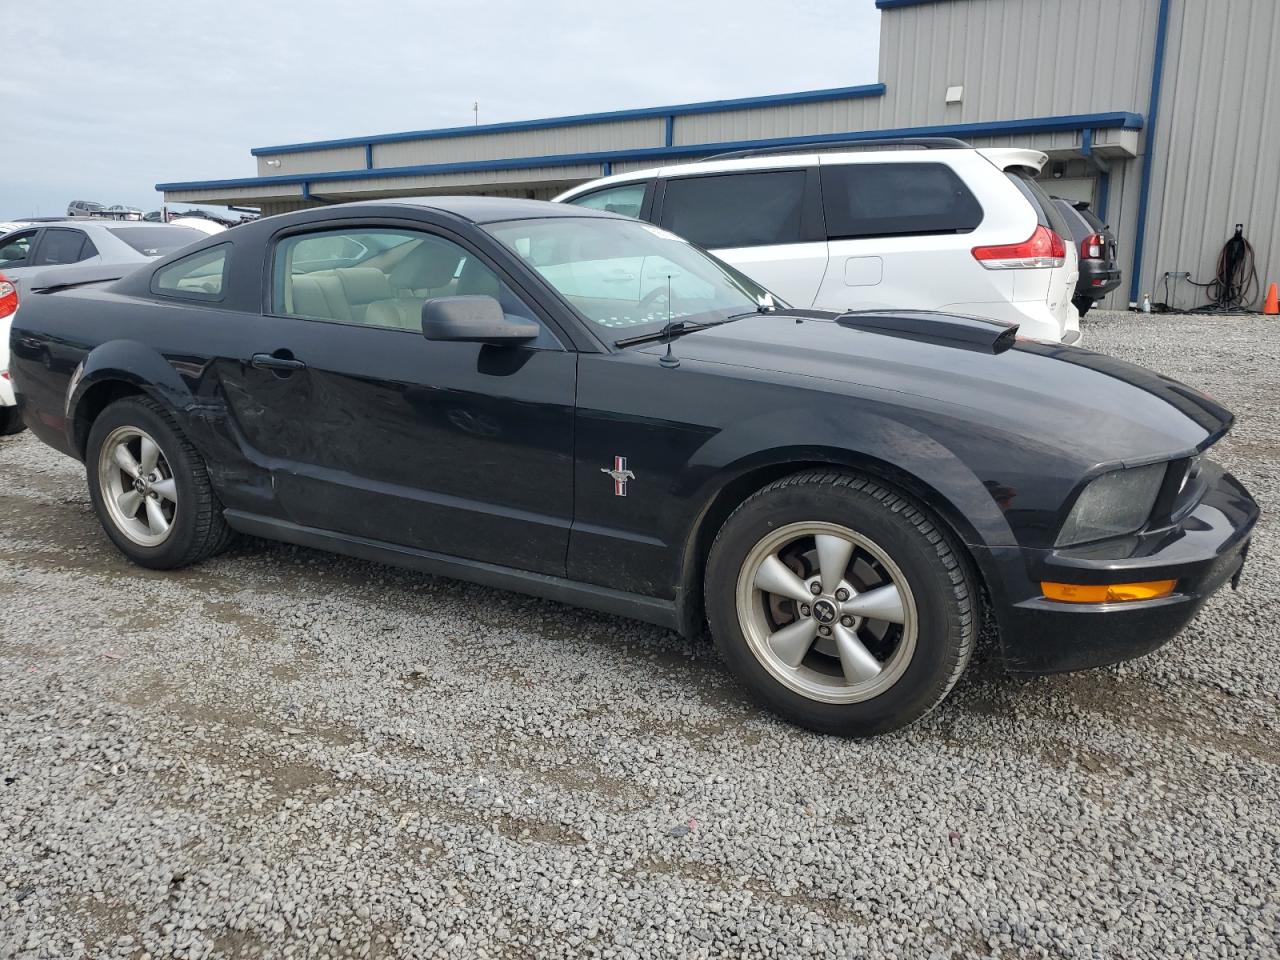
[(927, 143)]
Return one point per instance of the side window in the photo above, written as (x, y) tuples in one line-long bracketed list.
[(896, 199), (59, 247), (16, 249), (736, 209), (200, 276), (627, 199), (88, 250), (388, 287)]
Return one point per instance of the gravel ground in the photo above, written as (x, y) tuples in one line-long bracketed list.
[(287, 754)]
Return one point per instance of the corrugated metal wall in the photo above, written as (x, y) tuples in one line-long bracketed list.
[(1217, 157), (546, 142), (1015, 58)]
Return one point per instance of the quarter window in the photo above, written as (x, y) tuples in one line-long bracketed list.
[(380, 278), (736, 210), (59, 247), (200, 276), (896, 199), (626, 199)]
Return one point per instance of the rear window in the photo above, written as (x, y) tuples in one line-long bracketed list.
[(736, 209), (1092, 220), (156, 241), (1047, 213), (896, 199), (197, 277)]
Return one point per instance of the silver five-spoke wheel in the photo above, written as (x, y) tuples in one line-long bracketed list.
[(827, 612), (138, 487)]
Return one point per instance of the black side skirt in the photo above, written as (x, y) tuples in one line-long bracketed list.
[(619, 602)]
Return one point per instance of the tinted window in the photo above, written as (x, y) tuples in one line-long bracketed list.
[(15, 249), (1078, 226), (1047, 213), (157, 241), (896, 199), (1092, 220), (626, 199), (59, 246), (200, 276), (737, 209), (397, 270)]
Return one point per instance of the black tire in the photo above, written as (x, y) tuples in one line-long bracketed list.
[(941, 583), (10, 422), (198, 530)]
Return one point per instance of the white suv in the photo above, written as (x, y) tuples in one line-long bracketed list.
[(946, 227)]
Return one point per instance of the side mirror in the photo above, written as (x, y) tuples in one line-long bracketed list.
[(473, 320)]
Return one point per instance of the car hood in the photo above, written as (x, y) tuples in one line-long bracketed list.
[(1105, 410)]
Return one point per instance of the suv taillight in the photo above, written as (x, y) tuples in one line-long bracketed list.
[(1044, 248), (8, 298), (1091, 247)]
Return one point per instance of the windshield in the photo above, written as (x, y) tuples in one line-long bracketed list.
[(627, 276), (157, 241)]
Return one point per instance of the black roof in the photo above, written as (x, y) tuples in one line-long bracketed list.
[(491, 209)]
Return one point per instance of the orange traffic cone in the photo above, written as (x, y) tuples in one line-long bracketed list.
[(1272, 305)]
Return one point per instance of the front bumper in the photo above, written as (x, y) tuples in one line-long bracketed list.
[(1206, 549)]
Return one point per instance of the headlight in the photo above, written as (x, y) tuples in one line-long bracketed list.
[(1113, 504)]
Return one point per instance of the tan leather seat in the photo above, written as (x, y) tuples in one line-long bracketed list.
[(402, 313), (343, 294), (319, 295), (427, 270)]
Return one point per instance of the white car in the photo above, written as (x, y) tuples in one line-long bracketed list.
[(926, 224), (9, 420)]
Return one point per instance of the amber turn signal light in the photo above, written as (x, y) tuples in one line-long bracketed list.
[(1107, 592)]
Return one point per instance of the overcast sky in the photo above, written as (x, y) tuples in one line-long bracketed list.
[(102, 99)]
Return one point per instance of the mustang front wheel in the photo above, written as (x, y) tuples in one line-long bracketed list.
[(150, 487), (840, 604)]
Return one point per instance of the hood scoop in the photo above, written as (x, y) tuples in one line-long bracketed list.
[(943, 329)]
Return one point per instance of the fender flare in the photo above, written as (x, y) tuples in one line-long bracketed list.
[(886, 449), (128, 362)]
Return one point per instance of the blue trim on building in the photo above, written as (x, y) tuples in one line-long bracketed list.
[(676, 110), (1125, 121), (1144, 190), (306, 190), (671, 130), (606, 169), (1086, 141), (894, 4), (368, 156)]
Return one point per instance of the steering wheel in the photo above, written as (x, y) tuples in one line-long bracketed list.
[(651, 301)]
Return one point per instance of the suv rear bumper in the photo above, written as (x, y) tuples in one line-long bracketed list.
[(1096, 279), (1206, 549)]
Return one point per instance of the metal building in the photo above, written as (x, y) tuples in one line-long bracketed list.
[(1165, 114)]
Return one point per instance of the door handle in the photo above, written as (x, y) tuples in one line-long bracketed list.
[(271, 361)]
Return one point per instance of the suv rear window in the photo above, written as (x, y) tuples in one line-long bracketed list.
[(1091, 219), (1047, 212), (736, 209), (156, 241), (896, 199)]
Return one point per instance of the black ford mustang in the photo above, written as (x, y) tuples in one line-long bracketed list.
[(582, 406)]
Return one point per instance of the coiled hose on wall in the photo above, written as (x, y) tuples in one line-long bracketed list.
[(1234, 286)]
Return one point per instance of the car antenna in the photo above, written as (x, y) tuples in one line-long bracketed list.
[(669, 359)]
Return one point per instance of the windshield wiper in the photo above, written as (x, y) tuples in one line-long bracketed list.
[(673, 328)]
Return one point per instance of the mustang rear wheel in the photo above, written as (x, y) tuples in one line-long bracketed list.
[(840, 604), (150, 487)]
